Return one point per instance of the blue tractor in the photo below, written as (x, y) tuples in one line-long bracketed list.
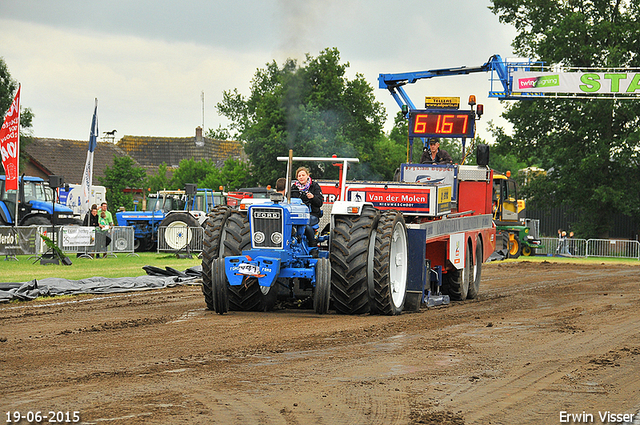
[(277, 260), (145, 223), (36, 202), (169, 209)]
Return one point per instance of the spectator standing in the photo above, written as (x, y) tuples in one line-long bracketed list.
[(103, 221), (92, 219), (109, 217), (104, 229)]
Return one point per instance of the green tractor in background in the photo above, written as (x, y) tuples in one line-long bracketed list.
[(508, 212)]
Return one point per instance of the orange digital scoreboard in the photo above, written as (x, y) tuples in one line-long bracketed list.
[(441, 123)]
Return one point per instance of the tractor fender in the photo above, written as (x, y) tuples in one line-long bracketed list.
[(5, 215), (349, 207), (36, 219), (199, 216)]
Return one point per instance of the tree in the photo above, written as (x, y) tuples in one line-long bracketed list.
[(313, 109), (502, 160), (159, 180), (192, 171), (219, 133), (8, 89), (124, 174), (588, 147), (233, 175)]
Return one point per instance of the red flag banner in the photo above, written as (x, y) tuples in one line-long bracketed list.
[(9, 143)]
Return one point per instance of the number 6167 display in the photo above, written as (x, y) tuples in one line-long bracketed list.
[(448, 123)]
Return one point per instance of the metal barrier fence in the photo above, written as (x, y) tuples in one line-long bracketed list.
[(70, 240), (26, 240), (610, 248), (569, 246), (180, 238), (613, 248)]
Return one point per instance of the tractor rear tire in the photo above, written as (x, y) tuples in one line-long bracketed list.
[(390, 268), (178, 233), (322, 291), (351, 254), (226, 234), (219, 286), (211, 249), (474, 284), (456, 282), (236, 235), (250, 296)]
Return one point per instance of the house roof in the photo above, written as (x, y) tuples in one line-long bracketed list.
[(68, 157), (153, 151)]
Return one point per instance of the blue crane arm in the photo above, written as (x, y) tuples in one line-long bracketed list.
[(394, 82)]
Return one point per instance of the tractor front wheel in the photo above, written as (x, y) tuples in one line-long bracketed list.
[(37, 220), (322, 291), (527, 251), (213, 229), (219, 286), (515, 247)]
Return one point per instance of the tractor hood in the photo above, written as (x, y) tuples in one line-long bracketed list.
[(47, 206)]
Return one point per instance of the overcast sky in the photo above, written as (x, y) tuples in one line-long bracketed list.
[(148, 62)]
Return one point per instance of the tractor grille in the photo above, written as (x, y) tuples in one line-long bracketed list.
[(266, 227)]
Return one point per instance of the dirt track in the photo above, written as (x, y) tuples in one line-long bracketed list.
[(542, 338)]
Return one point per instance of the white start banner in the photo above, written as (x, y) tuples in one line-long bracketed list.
[(610, 83)]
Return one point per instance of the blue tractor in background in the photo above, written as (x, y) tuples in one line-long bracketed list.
[(172, 209), (145, 223), (36, 202)]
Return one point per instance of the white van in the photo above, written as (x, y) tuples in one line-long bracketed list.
[(72, 198)]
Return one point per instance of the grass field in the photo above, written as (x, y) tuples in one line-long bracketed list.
[(25, 269), (579, 260)]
